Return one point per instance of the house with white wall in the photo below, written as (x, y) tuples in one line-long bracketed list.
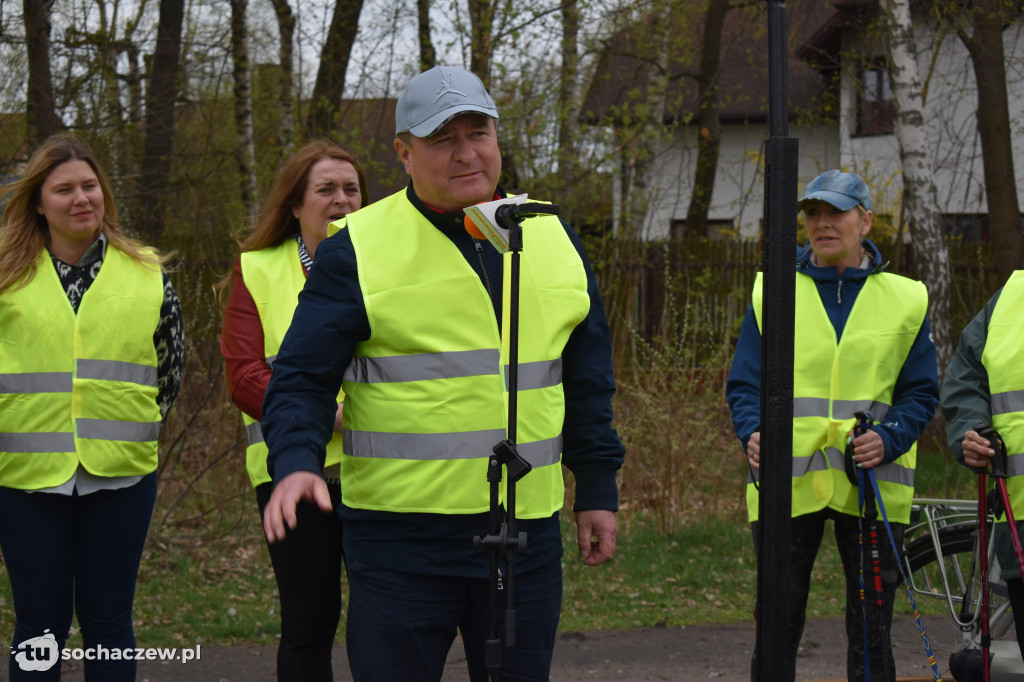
[(840, 110)]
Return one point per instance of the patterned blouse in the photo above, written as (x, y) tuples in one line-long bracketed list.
[(168, 339)]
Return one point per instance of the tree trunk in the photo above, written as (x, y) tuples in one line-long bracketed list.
[(709, 126), (42, 116), (286, 91), (920, 200), (428, 56), (652, 134), (159, 143), (481, 25), (985, 46), (568, 110), (246, 153), (330, 77)]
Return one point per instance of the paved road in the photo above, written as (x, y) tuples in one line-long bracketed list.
[(720, 653)]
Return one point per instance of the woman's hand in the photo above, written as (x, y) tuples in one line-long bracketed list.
[(754, 451), (338, 424), (868, 449), (977, 450)]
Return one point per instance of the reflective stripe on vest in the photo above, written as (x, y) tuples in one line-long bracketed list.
[(426, 394), (820, 462), (274, 277), (1003, 359), (833, 380), (79, 388)]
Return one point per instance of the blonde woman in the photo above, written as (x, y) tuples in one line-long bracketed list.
[(321, 183), (91, 350), (862, 343)]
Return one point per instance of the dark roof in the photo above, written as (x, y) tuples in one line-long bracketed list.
[(821, 48), (623, 67)]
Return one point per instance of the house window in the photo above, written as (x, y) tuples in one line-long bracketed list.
[(875, 112), (716, 229), (970, 227)]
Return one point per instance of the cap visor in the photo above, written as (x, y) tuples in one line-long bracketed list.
[(840, 201), (437, 121)]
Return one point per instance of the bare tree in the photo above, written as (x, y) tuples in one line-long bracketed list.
[(568, 116), (42, 116), (481, 28), (330, 77), (159, 143), (286, 90), (981, 32), (920, 201), (428, 56), (708, 123), (246, 153)]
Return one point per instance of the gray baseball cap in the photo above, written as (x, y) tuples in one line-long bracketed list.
[(438, 95), (842, 190)]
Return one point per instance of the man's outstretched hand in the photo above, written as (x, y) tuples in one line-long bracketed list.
[(296, 487)]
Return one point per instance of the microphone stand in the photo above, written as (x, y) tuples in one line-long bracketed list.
[(504, 540)]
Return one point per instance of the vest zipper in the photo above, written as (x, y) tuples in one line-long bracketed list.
[(483, 269)]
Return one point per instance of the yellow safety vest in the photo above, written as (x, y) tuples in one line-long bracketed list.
[(79, 388), (1004, 362), (833, 380), (427, 393), (274, 278)]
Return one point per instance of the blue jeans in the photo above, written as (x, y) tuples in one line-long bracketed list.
[(81, 554), (401, 625)]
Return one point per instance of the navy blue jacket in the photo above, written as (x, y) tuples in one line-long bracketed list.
[(915, 395), (299, 408)]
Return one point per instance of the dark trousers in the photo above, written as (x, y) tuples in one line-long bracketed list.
[(81, 554), (307, 565), (806, 533), (401, 625)]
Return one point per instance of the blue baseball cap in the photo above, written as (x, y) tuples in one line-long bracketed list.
[(842, 190), (438, 95)]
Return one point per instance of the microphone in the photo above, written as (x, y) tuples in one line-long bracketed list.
[(494, 220), (481, 222), (509, 215)]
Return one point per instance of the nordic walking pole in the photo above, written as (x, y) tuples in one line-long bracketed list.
[(986, 638), (1000, 471)]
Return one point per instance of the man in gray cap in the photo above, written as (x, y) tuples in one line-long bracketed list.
[(407, 312)]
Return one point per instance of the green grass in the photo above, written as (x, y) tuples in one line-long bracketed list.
[(222, 590), (703, 573)]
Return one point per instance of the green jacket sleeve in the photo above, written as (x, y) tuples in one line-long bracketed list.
[(965, 394)]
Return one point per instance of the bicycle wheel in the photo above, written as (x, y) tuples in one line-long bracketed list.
[(946, 585)]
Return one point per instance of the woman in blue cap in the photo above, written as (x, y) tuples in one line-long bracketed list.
[(862, 342)]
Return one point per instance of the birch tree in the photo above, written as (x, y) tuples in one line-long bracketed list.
[(246, 152), (920, 202)]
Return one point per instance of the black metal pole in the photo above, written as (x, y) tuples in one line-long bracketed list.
[(775, 661), (504, 539)]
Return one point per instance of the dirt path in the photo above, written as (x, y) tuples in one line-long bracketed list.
[(716, 652)]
